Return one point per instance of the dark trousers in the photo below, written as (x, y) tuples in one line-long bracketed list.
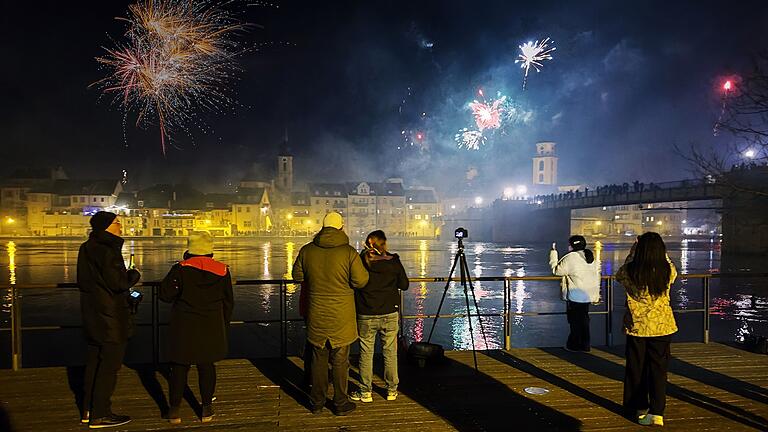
[(206, 378), (308, 353), (578, 318), (101, 366), (339, 359), (645, 378)]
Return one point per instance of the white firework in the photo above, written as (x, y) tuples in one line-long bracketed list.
[(532, 54), (469, 139)]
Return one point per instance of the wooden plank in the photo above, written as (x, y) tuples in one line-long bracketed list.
[(712, 387)]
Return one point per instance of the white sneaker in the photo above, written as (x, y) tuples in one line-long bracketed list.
[(651, 420), (361, 396), (391, 395)]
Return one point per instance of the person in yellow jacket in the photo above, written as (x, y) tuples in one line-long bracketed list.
[(647, 276)]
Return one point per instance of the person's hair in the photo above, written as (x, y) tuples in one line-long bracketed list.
[(378, 234), (649, 268), (188, 255)]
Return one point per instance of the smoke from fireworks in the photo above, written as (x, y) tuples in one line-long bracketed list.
[(532, 54), (176, 60)]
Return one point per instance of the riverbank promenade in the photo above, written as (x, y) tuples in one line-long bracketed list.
[(712, 387)]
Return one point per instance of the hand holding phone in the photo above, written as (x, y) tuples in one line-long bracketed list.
[(554, 246)]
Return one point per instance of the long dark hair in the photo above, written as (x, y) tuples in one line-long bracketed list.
[(649, 268)]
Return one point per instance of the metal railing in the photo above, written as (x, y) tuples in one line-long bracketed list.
[(16, 328)]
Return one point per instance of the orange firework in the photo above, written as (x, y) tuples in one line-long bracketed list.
[(176, 60)]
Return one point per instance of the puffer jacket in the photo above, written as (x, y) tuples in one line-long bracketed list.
[(381, 295), (332, 269), (581, 279), (647, 316)]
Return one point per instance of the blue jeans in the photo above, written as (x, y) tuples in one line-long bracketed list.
[(368, 326)]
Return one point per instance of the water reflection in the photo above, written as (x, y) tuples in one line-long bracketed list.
[(737, 305)]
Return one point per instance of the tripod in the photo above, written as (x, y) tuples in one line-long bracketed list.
[(466, 282)]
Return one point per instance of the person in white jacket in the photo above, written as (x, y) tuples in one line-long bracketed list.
[(579, 288)]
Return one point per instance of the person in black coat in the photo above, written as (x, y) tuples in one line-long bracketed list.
[(200, 289), (377, 306), (104, 284)]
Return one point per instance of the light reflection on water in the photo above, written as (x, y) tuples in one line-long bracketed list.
[(742, 301)]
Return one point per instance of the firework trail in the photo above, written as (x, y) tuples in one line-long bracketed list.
[(470, 139), (727, 87), (176, 60), (532, 54)]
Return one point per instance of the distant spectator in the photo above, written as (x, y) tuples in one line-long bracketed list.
[(332, 269), (647, 276), (200, 289)]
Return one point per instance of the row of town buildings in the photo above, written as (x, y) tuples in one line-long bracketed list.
[(48, 203)]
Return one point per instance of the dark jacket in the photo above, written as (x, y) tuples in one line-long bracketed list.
[(331, 268), (381, 295), (200, 289), (104, 283)]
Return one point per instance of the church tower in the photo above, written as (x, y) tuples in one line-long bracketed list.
[(545, 164), (285, 167)]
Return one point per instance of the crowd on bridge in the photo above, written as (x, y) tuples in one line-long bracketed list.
[(606, 190), (347, 297)]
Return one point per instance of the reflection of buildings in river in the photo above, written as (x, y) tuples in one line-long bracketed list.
[(683, 283), (289, 288), (266, 290), (519, 294), (266, 250), (423, 254), (418, 325), (11, 247)]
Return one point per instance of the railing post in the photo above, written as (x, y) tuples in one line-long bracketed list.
[(15, 328), (283, 321), (609, 310), (705, 281), (155, 326), (507, 324)]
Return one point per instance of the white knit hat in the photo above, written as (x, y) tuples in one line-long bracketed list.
[(333, 220), (200, 243)]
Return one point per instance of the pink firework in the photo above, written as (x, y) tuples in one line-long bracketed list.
[(487, 115)]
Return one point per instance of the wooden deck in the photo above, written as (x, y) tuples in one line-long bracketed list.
[(712, 387)]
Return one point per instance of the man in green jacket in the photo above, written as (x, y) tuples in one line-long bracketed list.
[(332, 270)]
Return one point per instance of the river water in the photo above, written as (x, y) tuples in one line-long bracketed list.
[(738, 304)]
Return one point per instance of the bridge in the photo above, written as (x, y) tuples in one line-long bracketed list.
[(744, 209)]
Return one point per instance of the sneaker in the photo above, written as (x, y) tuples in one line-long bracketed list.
[(362, 396), (111, 420), (317, 409), (207, 414), (345, 408), (651, 420), (173, 416), (640, 413), (391, 395), (85, 418), (569, 350)]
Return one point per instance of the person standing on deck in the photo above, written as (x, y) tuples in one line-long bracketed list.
[(333, 270), (647, 275), (104, 284), (580, 287), (200, 289)]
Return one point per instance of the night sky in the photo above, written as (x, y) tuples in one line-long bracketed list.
[(628, 81)]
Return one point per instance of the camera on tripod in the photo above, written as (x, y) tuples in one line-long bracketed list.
[(461, 233), (134, 298)]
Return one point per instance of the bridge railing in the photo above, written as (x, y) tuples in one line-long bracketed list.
[(285, 317)]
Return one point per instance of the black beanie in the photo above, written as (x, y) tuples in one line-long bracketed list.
[(577, 242), (102, 220)]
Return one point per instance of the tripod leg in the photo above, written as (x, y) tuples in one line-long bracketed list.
[(474, 300), (445, 291), (469, 320)]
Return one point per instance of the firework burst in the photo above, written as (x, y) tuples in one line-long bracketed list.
[(176, 60), (487, 114), (532, 54), (470, 139)]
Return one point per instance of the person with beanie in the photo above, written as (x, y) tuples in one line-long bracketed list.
[(104, 284), (200, 290), (333, 270), (580, 287)]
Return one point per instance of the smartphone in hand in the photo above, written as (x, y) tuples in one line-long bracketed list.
[(554, 246)]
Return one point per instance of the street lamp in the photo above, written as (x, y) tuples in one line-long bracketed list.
[(750, 154), (521, 190), (478, 200), (508, 193)]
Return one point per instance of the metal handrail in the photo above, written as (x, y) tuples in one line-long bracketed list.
[(16, 327)]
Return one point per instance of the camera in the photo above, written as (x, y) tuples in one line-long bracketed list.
[(134, 298), (461, 233)]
